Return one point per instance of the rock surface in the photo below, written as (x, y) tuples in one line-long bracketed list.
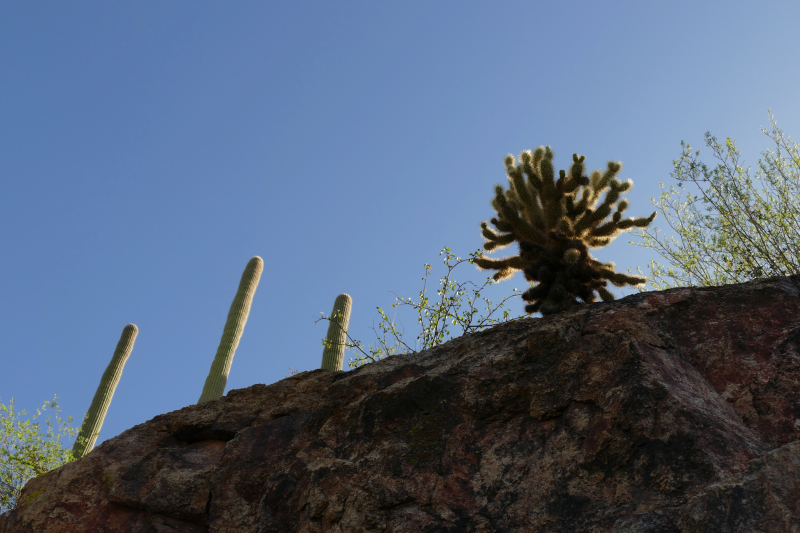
[(672, 411)]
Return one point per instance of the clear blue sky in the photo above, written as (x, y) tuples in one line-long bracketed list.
[(148, 150)]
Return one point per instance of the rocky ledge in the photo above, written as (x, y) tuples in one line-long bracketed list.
[(672, 411)]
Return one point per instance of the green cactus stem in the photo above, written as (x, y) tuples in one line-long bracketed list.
[(333, 353), (105, 391), (217, 378)]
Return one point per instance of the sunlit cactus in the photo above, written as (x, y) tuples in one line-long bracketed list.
[(333, 353), (105, 391), (555, 223), (217, 378)]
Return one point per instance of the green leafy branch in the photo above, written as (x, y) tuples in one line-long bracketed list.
[(434, 315), (746, 235), (26, 452)]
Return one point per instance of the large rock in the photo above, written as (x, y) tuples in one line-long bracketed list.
[(672, 411)]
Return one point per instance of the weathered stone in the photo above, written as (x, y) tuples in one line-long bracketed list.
[(663, 412)]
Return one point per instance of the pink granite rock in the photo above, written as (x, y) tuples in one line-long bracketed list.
[(672, 411)]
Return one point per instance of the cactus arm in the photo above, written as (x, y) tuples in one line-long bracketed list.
[(105, 391), (333, 353), (217, 378)]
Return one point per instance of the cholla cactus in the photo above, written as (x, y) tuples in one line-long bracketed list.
[(333, 353), (555, 223), (105, 391), (217, 378)]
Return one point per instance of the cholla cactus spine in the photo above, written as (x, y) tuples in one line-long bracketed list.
[(555, 229), (217, 378), (333, 353), (105, 391)]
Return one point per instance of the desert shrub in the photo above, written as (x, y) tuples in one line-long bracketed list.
[(744, 235), (458, 308), (26, 451)]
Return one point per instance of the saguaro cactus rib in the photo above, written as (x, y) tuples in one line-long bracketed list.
[(217, 378), (105, 391), (333, 353)]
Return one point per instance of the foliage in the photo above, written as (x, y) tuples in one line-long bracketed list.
[(434, 317), (555, 230), (747, 235), (25, 452)]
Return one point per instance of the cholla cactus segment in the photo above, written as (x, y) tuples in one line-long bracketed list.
[(572, 256), (555, 222), (105, 391), (333, 353), (217, 378)]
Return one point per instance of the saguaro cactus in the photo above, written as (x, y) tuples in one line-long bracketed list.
[(333, 353), (217, 378), (105, 391)]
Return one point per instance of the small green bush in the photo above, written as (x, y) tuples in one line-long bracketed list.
[(435, 317), (746, 234), (27, 452)]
